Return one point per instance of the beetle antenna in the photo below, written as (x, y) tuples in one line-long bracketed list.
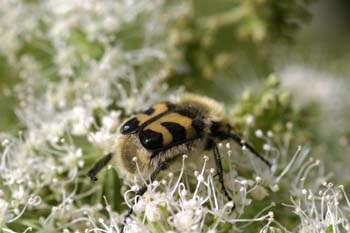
[(98, 166), (245, 144)]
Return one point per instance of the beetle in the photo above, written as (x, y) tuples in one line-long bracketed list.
[(160, 135)]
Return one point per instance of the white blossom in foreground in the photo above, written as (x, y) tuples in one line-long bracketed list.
[(190, 202), (322, 211)]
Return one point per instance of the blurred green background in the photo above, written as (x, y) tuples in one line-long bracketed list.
[(315, 38)]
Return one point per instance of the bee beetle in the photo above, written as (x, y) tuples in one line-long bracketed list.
[(166, 131)]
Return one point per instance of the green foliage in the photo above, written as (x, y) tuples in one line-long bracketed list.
[(271, 108), (8, 120), (220, 37)]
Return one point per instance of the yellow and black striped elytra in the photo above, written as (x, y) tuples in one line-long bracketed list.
[(144, 117), (165, 125), (164, 132)]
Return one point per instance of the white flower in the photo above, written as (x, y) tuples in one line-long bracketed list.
[(259, 133), (3, 211), (135, 227), (259, 192), (153, 212), (250, 120), (184, 221)]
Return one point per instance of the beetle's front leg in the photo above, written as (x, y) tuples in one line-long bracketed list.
[(98, 166)]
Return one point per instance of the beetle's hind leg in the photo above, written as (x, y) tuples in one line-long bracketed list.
[(220, 173), (98, 166)]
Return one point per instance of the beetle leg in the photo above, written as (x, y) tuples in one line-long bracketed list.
[(98, 166), (220, 172), (162, 166)]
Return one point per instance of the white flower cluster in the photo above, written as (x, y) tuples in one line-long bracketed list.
[(77, 79), (190, 202), (322, 211)]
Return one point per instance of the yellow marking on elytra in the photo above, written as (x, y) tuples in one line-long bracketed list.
[(157, 127), (158, 109), (184, 121)]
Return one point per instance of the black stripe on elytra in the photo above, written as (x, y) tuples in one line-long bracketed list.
[(188, 111), (150, 139), (130, 126), (177, 131), (199, 127), (170, 107), (156, 152), (149, 111)]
